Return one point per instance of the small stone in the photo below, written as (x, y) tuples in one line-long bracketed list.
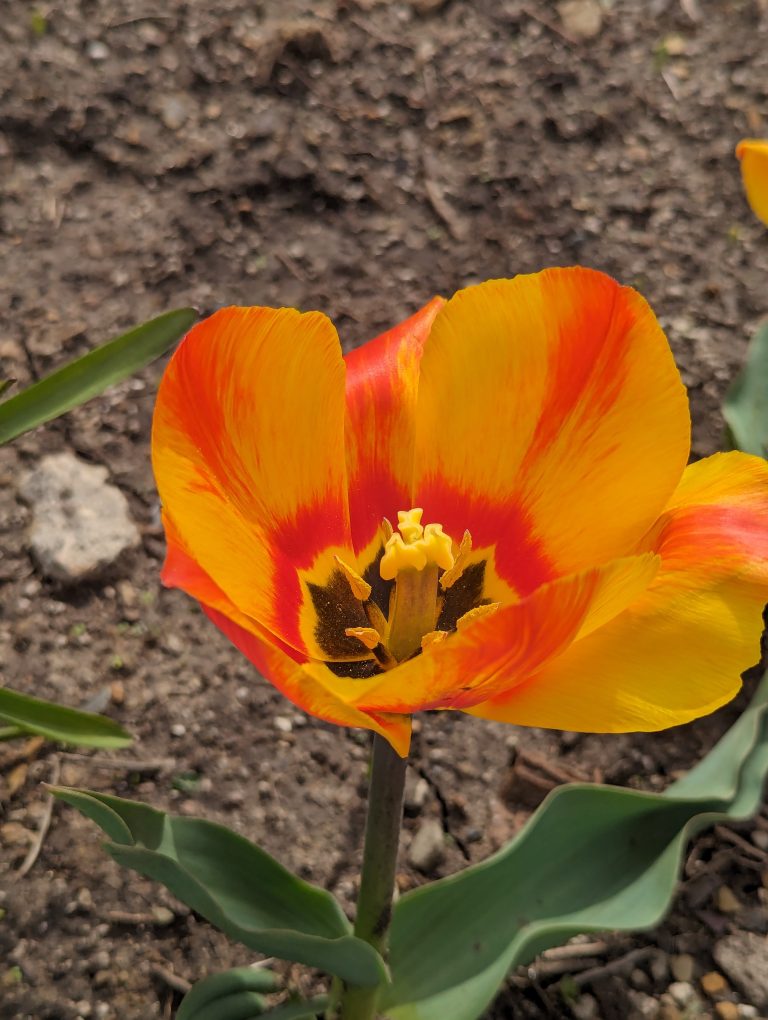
[(427, 849), (743, 956), (163, 916), (727, 1010), (760, 838), (283, 724), (659, 967), (727, 901), (416, 793), (585, 1007), (747, 1011), (97, 50), (669, 1011), (682, 967), (714, 983), (682, 992), (644, 1007), (81, 525), (117, 692), (581, 19), (178, 729), (173, 112)]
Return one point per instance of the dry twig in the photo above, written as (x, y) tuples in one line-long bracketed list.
[(34, 851)]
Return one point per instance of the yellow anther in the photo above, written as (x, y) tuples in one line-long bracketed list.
[(433, 638), (386, 529), (475, 614), (369, 637), (451, 576), (360, 588), (438, 546), (409, 524), (415, 546)]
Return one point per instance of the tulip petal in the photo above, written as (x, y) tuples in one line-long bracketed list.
[(382, 381), (310, 686), (753, 154), (716, 523), (671, 658), (248, 453), (551, 422), (499, 651)]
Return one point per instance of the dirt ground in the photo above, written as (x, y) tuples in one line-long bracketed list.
[(355, 156)]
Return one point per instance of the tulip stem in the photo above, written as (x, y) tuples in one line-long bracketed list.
[(377, 879)]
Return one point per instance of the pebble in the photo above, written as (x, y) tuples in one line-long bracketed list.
[(585, 1007), (682, 992), (743, 956), (427, 849), (727, 1010), (178, 729), (97, 50), (727, 900), (81, 525), (582, 19), (760, 838), (416, 793), (714, 983), (283, 724), (682, 967)]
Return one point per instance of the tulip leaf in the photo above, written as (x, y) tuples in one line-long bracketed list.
[(233, 884), (239, 995), (56, 722), (745, 407), (89, 375), (591, 858)]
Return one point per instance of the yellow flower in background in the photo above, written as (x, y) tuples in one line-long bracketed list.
[(753, 154), (550, 561)]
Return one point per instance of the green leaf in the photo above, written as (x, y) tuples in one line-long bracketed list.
[(68, 725), (5, 384), (591, 858), (745, 407), (88, 376), (233, 884), (238, 995), (216, 987)]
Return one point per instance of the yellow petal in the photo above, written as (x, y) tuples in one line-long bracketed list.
[(670, 659), (248, 453), (551, 422), (753, 153)]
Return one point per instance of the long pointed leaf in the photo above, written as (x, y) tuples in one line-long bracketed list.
[(68, 725), (90, 375), (234, 884), (591, 858)]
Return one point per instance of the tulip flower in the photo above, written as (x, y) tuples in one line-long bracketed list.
[(485, 509), (753, 154)]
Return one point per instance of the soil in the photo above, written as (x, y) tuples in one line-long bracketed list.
[(355, 156)]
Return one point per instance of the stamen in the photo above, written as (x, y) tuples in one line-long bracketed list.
[(477, 613), (360, 588), (451, 576), (369, 637), (386, 529)]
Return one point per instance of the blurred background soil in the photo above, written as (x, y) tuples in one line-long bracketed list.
[(356, 156)]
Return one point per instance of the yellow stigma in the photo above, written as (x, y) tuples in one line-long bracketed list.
[(415, 546)]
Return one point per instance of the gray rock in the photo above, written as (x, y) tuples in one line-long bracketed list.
[(81, 525), (743, 956), (427, 849)]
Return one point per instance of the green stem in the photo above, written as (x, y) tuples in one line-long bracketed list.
[(377, 879)]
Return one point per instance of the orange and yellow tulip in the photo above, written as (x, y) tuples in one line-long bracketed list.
[(553, 562), (753, 155)]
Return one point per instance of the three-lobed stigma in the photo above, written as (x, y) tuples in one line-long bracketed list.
[(416, 546)]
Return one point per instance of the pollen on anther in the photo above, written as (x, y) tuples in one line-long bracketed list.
[(360, 588)]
